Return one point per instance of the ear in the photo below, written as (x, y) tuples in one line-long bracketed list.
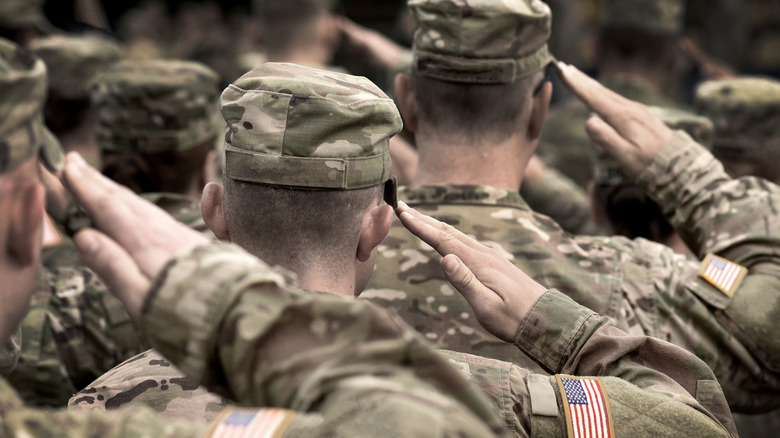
[(404, 96), (212, 208), (541, 103), (24, 239), (376, 225), (208, 173)]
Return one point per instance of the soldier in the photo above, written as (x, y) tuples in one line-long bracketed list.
[(73, 62), (157, 126), (744, 111), (324, 226), (356, 401), (470, 165), (636, 56)]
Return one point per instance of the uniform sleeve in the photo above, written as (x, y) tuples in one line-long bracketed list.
[(557, 196), (569, 339), (17, 420), (237, 327), (738, 220)]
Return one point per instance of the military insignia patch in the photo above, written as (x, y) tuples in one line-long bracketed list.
[(251, 423), (51, 237), (726, 276), (586, 407)]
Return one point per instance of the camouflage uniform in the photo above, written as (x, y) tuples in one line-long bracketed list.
[(364, 370), (563, 336), (643, 286), (24, 14)]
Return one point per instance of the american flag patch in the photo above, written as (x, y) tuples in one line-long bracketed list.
[(251, 423), (721, 273), (586, 407)]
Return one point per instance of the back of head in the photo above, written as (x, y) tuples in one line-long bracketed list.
[(306, 152), (23, 135), (745, 112), (624, 204), (159, 118), (288, 25), (475, 62), (639, 30), (72, 62)]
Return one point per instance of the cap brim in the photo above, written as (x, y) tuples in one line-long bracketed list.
[(51, 154)]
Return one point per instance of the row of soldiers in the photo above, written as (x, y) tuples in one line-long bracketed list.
[(543, 332)]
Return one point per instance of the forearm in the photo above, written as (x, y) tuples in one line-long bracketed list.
[(247, 334), (566, 338)]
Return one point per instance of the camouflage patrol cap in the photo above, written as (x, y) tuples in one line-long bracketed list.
[(74, 61), (155, 106), (700, 128), (22, 95), (657, 17), (480, 41), (301, 127), (22, 14), (745, 112)]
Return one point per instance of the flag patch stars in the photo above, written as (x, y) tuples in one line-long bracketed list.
[(586, 407)]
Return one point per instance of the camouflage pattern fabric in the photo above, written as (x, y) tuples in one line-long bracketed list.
[(644, 287), (154, 106), (10, 352), (149, 379), (360, 371), (566, 146), (73, 332), (22, 132), (744, 111), (660, 17), (23, 14), (561, 335), (277, 134), (74, 61), (559, 197), (509, 39)]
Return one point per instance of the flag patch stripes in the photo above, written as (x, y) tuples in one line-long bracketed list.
[(251, 423), (586, 407), (726, 276)]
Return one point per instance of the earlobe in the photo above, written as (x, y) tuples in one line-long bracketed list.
[(212, 208), (24, 240), (404, 96), (374, 229), (541, 103)]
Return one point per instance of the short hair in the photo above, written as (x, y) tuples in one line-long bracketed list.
[(292, 227), (472, 112), (171, 171)]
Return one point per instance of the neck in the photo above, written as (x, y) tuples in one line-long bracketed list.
[(327, 279), (499, 165)]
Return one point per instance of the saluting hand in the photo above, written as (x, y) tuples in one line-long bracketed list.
[(627, 130), (500, 293)]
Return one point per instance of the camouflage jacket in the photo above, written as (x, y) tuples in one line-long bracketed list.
[(561, 335), (644, 287), (557, 196), (75, 330)]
